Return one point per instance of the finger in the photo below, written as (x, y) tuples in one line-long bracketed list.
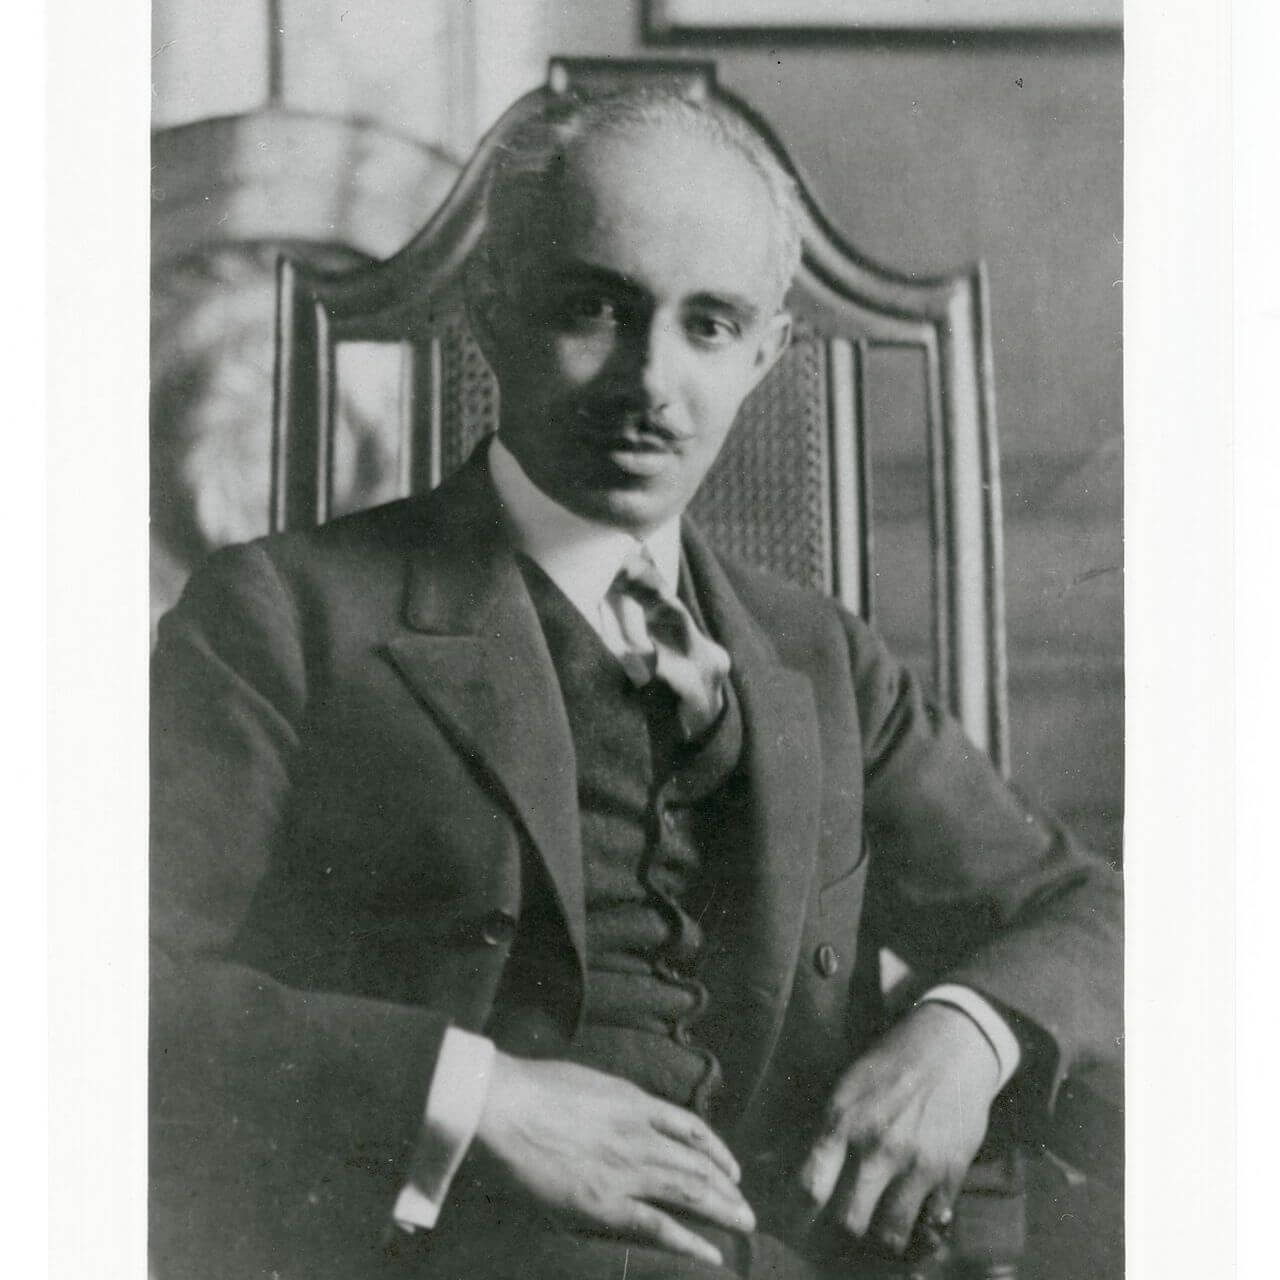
[(647, 1223), (899, 1207), (667, 1156), (706, 1197), (687, 1128), (821, 1169), (873, 1176)]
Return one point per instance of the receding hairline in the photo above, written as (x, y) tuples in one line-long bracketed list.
[(708, 176), (533, 162)]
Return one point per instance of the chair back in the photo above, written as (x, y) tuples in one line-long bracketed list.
[(791, 492)]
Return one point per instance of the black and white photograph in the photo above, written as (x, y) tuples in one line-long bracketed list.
[(637, 582)]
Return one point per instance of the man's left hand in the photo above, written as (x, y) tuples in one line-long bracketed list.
[(907, 1119)]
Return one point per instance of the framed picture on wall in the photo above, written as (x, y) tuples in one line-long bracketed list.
[(665, 18)]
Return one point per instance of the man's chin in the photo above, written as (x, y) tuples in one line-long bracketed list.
[(638, 509), (637, 491)]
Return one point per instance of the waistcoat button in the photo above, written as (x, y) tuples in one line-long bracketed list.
[(497, 928), (826, 960)]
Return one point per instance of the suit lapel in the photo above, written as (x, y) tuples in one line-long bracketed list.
[(477, 658), (756, 966)]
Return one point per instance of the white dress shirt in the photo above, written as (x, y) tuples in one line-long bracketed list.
[(582, 557)]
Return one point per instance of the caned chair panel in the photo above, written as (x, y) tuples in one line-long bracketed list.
[(791, 492)]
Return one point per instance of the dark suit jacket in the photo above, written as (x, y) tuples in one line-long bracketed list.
[(358, 740)]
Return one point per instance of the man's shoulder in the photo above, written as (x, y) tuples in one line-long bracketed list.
[(357, 542), (389, 528), (769, 595), (354, 563), (803, 624), (452, 513), (767, 586)]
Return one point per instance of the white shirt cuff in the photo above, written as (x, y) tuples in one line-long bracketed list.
[(1004, 1044), (455, 1100)]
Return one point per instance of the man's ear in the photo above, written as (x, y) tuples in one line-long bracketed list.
[(773, 342)]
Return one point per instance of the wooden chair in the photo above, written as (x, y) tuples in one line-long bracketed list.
[(792, 490)]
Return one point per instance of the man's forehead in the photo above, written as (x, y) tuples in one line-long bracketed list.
[(668, 201)]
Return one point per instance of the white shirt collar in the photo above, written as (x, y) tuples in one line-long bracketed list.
[(582, 557)]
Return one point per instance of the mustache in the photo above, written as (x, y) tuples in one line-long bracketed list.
[(612, 416)]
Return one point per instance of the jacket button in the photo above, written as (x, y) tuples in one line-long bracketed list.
[(826, 960), (498, 928)]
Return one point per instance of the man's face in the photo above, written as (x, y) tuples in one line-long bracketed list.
[(631, 341)]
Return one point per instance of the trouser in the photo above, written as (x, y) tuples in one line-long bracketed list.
[(541, 1251), (483, 1235)]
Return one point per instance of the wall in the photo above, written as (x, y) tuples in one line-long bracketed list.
[(929, 154)]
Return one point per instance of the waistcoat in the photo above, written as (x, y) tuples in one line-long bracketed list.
[(647, 810)]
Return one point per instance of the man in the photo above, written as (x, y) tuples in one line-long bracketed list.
[(511, 849)]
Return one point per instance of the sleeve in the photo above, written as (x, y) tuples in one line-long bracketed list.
[(299, 1086), (973, 886), (994, 1029), (459, 1088)]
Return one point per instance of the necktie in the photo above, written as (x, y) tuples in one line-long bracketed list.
[(664, 643)]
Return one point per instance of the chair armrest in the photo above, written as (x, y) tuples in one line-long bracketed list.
[(1087, 1130)]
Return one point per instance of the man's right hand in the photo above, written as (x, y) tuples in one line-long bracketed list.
[(599, 1152)]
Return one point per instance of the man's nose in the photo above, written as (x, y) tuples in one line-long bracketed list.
[(655, 356)]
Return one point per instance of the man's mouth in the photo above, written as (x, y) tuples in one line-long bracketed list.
[(640, 448), (635, 442), (643, 441), (638, 433)]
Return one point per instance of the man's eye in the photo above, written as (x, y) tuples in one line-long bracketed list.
[(590, 308), (711, 330)]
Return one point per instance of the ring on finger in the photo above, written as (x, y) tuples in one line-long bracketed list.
[(938, 1215)]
